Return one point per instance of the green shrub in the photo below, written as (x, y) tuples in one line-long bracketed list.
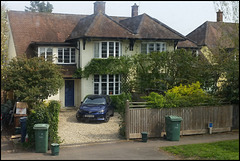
[(181, 96), (119, 102), (46, 113)]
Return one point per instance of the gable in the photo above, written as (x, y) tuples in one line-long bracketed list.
[(146, 27), (212, 34), (99, 25)]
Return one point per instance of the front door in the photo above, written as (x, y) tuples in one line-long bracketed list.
[(69, 93)]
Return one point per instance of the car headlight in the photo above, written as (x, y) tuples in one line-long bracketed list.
[(101, 111), (79, 110)]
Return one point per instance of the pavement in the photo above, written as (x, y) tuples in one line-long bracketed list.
[(115, 150)]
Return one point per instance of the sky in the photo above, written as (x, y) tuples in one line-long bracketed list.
[(182, 16)]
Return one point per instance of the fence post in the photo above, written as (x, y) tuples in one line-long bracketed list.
[(127, 119)]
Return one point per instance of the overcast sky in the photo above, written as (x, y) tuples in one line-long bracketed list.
[(182, 16)]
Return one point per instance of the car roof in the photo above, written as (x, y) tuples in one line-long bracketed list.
[(96, 96)]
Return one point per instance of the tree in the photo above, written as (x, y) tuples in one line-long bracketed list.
[(160, 71), (39, 6), (4, 40), (227, 56), (32, 80)]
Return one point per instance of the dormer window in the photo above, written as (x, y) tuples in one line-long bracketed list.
[(66, 55), (106, 49), (46, 53)]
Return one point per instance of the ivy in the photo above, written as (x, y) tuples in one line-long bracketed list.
[(111, 65)]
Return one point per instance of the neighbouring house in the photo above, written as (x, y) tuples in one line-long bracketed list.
[(72, 40), (210, 37)]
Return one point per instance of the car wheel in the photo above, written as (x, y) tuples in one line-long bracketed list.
[(106, 119), (112, 114)]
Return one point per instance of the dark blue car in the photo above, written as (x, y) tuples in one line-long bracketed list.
[(95, 107)]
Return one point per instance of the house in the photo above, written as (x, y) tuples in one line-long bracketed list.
[(72, 40), (212, 35)]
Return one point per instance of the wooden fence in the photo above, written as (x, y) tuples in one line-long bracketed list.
[(195, 119)]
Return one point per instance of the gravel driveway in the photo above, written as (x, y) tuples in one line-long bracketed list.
[(73, 132)]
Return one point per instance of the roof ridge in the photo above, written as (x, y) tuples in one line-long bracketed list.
[(117, 23), (93, 22), (140, 24), (196, 28), (206, 32), (166, 26)]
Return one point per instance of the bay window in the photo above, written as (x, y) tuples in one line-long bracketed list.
[(107, 84), (106, 49), (153, 46)]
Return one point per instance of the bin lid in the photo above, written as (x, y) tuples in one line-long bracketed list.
[(55, 144), (41, 126), (144, 133), (23, 118), (174, 118)]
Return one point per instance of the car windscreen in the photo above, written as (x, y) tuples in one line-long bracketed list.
[(95, 101)]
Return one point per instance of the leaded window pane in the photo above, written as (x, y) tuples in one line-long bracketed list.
[(60, 55), (96, 88), (104, 88), (42, 52), (72, 55), (49, 54), (151, 47), (117, 49), (111, 48), (144, 48), (104, 49), (66, 55)]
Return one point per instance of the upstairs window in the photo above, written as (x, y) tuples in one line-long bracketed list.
[(106, 49), (66, 55), (150, 47), (46, 53)]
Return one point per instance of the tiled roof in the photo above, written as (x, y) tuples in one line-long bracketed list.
[(187, 44), (99, 25), (213, 33), (28, 27), (146, 27)]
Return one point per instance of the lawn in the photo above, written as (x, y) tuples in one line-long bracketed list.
[(222, 150)]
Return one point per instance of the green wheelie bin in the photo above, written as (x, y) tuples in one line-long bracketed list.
[(172, 127), (41, 137)]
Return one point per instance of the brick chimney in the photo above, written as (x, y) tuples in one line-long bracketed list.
[(219, 16), (134, 10), (99, 6)]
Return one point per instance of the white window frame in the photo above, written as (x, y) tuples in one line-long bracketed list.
[(70, 55), (107, 82), (45, 51), (155, 46), (98, 46)]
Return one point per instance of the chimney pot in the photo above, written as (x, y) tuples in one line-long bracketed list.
[(134, 10), (99, 6), (219, 16)]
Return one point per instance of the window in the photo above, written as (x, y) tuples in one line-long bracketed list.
[(46, 53), (66, 55), (107, 49), (107, 84), (150, 47)]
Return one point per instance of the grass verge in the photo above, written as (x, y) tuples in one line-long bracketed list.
[(222, 150)]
